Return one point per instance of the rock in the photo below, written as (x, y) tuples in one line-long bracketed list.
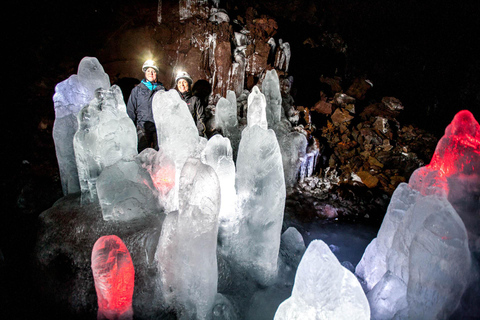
[(359, 88), (367, 179), (340, 116), (323, 107)]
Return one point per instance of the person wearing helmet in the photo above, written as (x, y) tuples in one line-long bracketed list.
[(183, 84), (139, 106)]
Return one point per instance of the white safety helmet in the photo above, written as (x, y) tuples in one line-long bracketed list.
[(183, 75), (149, 64)]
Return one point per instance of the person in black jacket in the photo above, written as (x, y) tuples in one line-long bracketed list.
[(183, 85), (139, 106)]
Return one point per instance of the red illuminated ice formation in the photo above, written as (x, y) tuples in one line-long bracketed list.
[(458, 151), (164, 178), (114, 277)]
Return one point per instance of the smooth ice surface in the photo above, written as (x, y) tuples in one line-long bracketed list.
[(324, 289), (261, 196), (294, 147), (105, 135), (186, 252), (418, 232), (126, 191), (256, 113), (71, 95), (114, 277), (271, 90)]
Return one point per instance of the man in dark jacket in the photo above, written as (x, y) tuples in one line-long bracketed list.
[(183, 85), (139, 106)]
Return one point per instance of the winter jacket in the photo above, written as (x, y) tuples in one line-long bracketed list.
[(139, 106), (196, 109)]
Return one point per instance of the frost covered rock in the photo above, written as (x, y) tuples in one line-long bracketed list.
[(186, 253), (105, 135), (71, 95), (324, 289)]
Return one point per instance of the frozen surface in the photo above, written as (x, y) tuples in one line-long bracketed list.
[(261, 196), (114, 277), (186, 252), (105, 135), (324, 289), (126, 191), (271, 90), (71, 95)]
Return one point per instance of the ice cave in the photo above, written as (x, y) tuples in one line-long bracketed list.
[(336, 176)]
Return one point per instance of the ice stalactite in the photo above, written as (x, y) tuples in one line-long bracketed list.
[(282, 58), (114, 277)]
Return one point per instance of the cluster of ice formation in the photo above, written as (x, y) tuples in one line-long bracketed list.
[(71, 95), (420, 264)]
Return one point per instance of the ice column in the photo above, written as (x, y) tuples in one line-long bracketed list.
[(186, 252), (261, 195), (71, 95), (105, 135), (324, 289), (114, 277), (271, 90)]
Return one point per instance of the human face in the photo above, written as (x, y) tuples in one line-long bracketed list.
[(151, 75), (182, 85)]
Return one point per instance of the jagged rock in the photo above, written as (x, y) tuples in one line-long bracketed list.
[(367, 179), (323, 107), (340, 116), (359, 88)]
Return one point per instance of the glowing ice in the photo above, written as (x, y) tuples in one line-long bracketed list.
[(71, 95), (324, 289), (105, 135), (114, 277), (226, 119), (186, 252), (293, 146)]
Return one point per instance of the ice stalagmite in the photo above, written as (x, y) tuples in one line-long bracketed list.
[(256, 113), (293, 146), (324, 289), (114, 277), (186, 252), (261, 196), (226, 120), (271, 90), (176, 130), (105, 135), (71, 95)]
